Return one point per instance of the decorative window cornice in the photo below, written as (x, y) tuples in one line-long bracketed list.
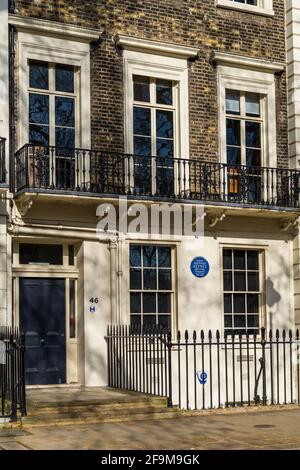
[(56, 28), (222, 58), (156, 47)]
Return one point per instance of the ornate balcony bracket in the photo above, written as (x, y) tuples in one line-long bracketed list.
[(216, 217), (25, 206), (286, 224)]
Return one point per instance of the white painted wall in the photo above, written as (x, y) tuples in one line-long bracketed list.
[(4, 69)]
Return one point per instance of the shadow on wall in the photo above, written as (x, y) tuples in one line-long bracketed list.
[(272, 300)]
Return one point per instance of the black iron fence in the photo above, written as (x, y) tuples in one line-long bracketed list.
[(200, 371), (12, 374), (56, 168), (2, 160)]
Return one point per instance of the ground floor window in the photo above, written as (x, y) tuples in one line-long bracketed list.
[(151, 286), (241, 290)]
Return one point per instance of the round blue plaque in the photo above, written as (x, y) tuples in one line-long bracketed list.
[(200, 267)]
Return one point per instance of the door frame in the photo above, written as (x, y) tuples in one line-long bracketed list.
[(51, 271)]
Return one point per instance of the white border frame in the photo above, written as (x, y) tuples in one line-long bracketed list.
[(49, 49), (265, 7), (256, 82), (157, 66)]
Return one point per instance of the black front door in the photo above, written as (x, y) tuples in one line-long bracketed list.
[(43, 321)]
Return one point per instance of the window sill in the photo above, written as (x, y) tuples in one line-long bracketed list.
[(244, 8)]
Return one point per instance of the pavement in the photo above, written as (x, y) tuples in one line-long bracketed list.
[(233, 431)]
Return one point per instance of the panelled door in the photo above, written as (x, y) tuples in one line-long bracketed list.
[(43, 321)]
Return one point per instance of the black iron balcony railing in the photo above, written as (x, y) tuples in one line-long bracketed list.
[(2, 160), (99, 172)]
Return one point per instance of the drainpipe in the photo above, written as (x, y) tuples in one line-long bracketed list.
[(113, 246), (12, 124)]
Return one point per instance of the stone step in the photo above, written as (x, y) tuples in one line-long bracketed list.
[(95, 408), (69, 418)]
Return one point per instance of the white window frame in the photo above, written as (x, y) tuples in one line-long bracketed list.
[(264, 7), (163, 61), (53, 93), (253, 81), (58, 51)]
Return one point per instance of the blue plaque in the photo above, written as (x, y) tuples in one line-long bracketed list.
[(200, 267), (202, 377)]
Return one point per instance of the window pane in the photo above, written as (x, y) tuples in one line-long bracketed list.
[(164, 303), (252, 104), (232, 102), (239, 259), (228, 321), (64, 78), (252, 303), (64, 111), (164, 257), (135, 303), (253, 281), (142, 146), (252, 321), (239, 305), (227, 303), (239, 321), (149, 303), (149, 256), (39, 75), (164, 148), (38, 108), (233, 156), (141, 88), (233, 132), (135, 278), (135, 320), (43, 254), (150, 281), (239, 281), (253, 157), (164, 321), (135, 255), (39, 135), (227, 259), (164, 124), (71, 255), (227, 275), (141, 121), (164, 279), (252, 260), (253, 134), (164, 92), (64, 137), (149, 320)]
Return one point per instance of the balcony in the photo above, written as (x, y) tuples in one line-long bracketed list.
[(100, 173)]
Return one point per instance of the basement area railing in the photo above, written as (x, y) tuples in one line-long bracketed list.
[(89, 171), (204, 371), (12, 374)]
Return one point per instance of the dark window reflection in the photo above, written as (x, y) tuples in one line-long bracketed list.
[(64, 78), (38, 108), (141, 88), (38, 75), (164, 92)]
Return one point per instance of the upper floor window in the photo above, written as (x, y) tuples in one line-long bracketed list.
[(52, 104), (261, 7), (154, 117)]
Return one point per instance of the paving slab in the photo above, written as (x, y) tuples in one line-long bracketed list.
[(261, 430)]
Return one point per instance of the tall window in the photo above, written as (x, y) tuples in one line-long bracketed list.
[(151, 286), (52, 104), (244, 143), (52, 122), (153, 134), (242, 291)]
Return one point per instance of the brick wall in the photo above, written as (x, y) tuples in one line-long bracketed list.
[(196, 23)]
